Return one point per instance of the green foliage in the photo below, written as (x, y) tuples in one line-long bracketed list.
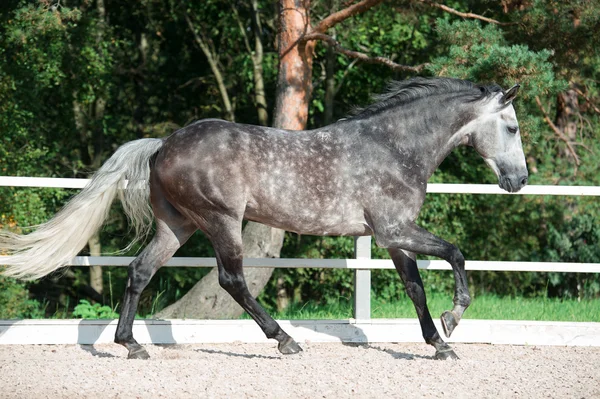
[(482, 54), (569, 28), (493, 307), (579, 241), (485, 307), (321, 285), (15, 301), (35, 42), (74, 86), (86, 310)]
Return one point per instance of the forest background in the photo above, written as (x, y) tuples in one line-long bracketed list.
[(78, 78)]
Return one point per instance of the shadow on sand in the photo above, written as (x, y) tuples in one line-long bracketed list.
[(233, 354), (391, 352)]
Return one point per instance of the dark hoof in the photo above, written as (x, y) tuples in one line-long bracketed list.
[(446, 354), (289, 347), (138, 353), (449, 322)]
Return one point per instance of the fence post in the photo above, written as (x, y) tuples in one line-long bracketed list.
[(362, 279)]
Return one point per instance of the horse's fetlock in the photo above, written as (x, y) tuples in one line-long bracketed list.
[(465, 300), (124, 340), (434, 339), (274, 331)]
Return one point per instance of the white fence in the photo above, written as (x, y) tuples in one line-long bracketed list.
[(362, 264)]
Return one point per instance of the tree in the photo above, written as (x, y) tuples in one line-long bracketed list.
[(512, 44), (206, 299), (296, 41), (59, 63), (39, 41)]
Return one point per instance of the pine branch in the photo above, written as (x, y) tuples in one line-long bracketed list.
[(470, 15), (557, 131), (344, 14), (362, 56), (318, 33), (589, 100)]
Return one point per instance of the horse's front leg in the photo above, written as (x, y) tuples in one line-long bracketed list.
[(406, 266), (412, 238)]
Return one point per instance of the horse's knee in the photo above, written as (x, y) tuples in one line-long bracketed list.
[(456, 258)]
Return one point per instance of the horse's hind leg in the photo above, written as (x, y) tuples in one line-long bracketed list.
[(406, 266), (172, 231), (225, 235)]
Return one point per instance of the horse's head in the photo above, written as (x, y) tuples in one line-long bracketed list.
[(495, 136)]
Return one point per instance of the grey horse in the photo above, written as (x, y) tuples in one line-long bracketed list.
[(363, 175)]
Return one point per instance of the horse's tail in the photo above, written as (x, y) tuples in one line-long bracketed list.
[(57, 241)]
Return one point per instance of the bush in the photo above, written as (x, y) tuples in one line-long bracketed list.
[(86, 310), (15, 302)]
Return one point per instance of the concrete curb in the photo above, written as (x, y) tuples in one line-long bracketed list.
[(177, 331)]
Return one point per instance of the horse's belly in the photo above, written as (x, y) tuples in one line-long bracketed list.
[(346, 229), (334, 220)]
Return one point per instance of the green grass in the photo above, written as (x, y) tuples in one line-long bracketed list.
[(482, 307)]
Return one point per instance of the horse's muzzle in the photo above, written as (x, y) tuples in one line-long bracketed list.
[(512, 184)]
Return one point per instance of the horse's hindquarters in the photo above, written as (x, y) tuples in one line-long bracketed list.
[(290, 181)]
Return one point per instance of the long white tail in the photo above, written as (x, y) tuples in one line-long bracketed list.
[(57, 241)]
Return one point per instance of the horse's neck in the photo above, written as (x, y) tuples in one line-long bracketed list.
[(427, 142)]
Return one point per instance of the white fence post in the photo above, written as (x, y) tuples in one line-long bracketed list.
[(362, 280)]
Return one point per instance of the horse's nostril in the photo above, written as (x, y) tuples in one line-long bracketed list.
[(524, 181)]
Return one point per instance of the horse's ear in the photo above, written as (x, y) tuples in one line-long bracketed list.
[(510, 95)]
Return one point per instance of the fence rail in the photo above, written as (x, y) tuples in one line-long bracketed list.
[(363, 264), (352, 264), (432, 188)]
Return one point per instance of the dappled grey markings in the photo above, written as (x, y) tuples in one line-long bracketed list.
[(366, 174)]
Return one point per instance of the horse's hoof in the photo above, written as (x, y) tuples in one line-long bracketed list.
[(446, 354), (449, 322), (289, 347), (138, 353)]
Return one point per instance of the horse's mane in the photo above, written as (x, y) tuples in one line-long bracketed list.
[(407, 91)]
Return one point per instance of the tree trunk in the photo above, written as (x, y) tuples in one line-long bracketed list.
[(257, 63), (294, 82), (256, 55), (329, 83), (213, 63), (206, 300), (330, 60), (96, 271), (567, 117)]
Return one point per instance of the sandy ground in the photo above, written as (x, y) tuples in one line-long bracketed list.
[(321, 371)]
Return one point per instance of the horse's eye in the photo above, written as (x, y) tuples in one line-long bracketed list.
[(513, 129)]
